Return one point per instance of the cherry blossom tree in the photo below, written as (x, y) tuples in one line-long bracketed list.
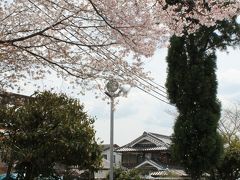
[(88, 41)]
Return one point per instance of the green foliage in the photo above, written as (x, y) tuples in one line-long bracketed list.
[(46, 130), (229, 168), (192, 87), (121, 174)]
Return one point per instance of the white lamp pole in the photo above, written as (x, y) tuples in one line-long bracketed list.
[(112, 86)]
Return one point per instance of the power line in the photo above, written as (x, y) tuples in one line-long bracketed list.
[(141, 83), (114, 62), (153, 95)]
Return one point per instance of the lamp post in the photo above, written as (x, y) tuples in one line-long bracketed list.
[(112, 88)]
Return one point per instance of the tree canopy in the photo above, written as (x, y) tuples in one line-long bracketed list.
[(228, 169), (123, 174), (192, 87), (48, 129), (89, 39)]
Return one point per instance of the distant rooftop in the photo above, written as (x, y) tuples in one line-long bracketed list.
[(148, 142), (13, 98), (107, 146)]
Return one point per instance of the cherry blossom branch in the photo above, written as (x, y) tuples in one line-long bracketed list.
[(77, 44), (48, 61), (34, 34)]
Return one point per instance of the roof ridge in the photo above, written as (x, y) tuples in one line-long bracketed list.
[(153, 163), (155, 136), (133, 141), (159, 134)]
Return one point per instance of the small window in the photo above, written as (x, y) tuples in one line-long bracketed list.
[(114, 158), (105, 156)]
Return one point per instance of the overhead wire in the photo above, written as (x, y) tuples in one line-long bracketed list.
[(151, 83), (144, 90), (135, 79)]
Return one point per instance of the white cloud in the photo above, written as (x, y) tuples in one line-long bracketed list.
[(141, 112), (134, 115), (229, 76)]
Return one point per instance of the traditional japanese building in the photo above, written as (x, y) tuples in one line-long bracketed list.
[(150, 153)]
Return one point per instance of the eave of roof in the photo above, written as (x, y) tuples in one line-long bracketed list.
[(129, 149), (152, 163), (107, 146), (165, 172), (159, 140)]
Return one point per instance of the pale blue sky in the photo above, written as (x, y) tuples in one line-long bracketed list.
[(141, 112)]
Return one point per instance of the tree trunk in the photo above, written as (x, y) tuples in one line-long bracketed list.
[(28, 175), (10, 165)]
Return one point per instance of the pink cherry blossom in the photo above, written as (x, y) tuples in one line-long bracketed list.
[(92, 40)]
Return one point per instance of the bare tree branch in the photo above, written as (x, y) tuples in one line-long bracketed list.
[(230, 122)]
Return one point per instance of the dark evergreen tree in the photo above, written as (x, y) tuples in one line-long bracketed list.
[(192, 88), (47, 130)]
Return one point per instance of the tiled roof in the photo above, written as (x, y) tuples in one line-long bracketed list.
[(160, 142), (107, 146), (13, 98), (167, 172), (131, 149), (152, 163), (165, 139)]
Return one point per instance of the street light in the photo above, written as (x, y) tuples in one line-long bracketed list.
[(112, 88)]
